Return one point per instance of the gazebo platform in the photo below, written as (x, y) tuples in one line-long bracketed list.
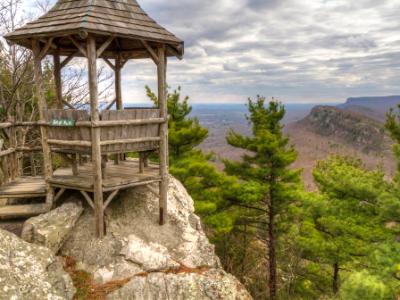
[(124, 175)]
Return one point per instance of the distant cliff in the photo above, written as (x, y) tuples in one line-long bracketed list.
[(373, 107), (350, 127)]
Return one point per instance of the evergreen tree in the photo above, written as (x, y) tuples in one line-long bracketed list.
[(344, 225), (265, 168), (209, 188), (185, 132)]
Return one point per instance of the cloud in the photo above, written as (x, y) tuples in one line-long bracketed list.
[(295, 50)]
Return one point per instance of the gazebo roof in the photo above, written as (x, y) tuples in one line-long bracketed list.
[(123, 19)]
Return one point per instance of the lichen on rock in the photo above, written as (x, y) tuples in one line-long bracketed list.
[(174, 261), (31, 272), (52, 229)]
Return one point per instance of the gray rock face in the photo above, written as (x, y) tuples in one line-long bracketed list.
[(31, 272), (210, 285), (161, 262), (51, 229)]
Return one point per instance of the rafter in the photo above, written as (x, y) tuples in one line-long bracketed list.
[(46, 48), (69, 58), (104, 46), (109, 63), (150, 50), (79, 46)]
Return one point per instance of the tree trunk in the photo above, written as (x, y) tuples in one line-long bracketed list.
[(271, 253), (335, 283)]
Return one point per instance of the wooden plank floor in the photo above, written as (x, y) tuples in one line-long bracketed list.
[(117, 176), (24, 187)]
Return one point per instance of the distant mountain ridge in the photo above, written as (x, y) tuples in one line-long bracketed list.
[(373, 107)]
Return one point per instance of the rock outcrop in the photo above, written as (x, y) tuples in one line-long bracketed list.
[(174, 261), (31, 272), (348, 127), (212, 284), (52, 229)]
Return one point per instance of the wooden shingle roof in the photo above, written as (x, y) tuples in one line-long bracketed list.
[(124, 19)]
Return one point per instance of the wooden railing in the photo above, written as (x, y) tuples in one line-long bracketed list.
[(120, 131), (9, 158)]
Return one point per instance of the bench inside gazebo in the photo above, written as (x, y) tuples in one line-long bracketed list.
[(116, 32)]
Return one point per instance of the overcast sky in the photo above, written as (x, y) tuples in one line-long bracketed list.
[(294, 50)]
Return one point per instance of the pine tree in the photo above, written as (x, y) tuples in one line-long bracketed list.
[(266, 168), (209, 187), (185, 132), (344, 224)]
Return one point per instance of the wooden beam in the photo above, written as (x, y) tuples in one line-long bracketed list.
[(96, 146), (163, 151), (57, 80), (88, 199), (7, 152), (68, 59), (111, 104), (59, 194), (70, 143), (6, 125), (68, 104), (39, 94), (79, 46), (103, 47), (130, 141), (118, 89), (136, 122), (53, 46), (45, 49), (131, 185), (28, 210), (109, 63), (110, 198), (174, 52), (150, 50)]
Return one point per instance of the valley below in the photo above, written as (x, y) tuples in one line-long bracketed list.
[(355, 128)]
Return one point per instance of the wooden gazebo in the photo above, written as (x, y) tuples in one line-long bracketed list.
[(115, 31)]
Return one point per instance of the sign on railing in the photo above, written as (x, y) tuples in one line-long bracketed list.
[(63, 122)]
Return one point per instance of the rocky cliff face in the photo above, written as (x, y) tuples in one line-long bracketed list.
[(348, 126), (30, 271), (175, 261)]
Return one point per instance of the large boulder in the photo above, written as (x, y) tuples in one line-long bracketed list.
[(31, 272), (174, 261), (207, 285), (52, 229)]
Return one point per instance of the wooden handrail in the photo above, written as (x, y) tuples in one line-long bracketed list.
[(5, 125), (7, 152), (130, 122), (130, 141), (70, 143)]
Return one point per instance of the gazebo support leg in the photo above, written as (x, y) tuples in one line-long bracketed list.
[(96, 150), (162, 90), (39, 94), (118, 95)]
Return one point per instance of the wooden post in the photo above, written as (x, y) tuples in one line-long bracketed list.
[(141, 162), (162, 91), (57, 80), (32, 162), (96, 147), (39, 94), (13, 158), (118, 89), (118, 96)]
